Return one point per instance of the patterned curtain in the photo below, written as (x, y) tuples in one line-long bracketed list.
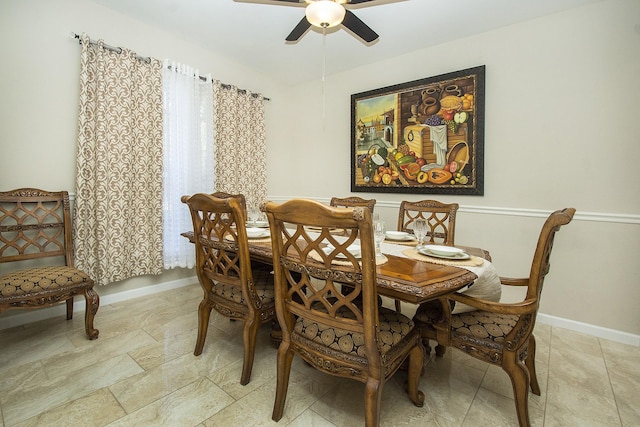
[(240, 143), (118, 206)]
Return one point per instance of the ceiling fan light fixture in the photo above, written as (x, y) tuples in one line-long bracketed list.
[(325, 13)]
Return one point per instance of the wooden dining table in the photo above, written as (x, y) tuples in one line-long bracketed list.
[(406, 279)]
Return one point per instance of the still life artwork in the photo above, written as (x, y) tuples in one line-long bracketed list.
[(424, 136)]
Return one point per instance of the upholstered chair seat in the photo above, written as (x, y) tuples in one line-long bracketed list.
[(42, 281), (394, 327), (263, 287)]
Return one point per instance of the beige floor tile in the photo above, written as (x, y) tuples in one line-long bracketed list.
[(450, 387), (36, 343), (344, 404), (99, 350), (27, 376), (137, 391), (491, 410), (25, 402), (256, 408), (497, 381), (159, 352), (623, 362), (263, 372), (310, 419), (186, 406), (50, 374), (96, 409)]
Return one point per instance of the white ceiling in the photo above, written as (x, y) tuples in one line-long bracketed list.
[(252, 32)]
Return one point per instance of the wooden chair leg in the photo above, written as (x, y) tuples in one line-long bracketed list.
[(519, 375), (92, 303), (531, 366), (204, 312), (440, 350), (398, 306), (372, 402), (249, 337), (416, 364), (285, 357), (70, 308)]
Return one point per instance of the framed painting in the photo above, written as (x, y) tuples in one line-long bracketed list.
[(424, 136)]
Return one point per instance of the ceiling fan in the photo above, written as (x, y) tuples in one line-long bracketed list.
[(329, 13)]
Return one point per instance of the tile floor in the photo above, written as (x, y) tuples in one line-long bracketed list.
[(142, 372)]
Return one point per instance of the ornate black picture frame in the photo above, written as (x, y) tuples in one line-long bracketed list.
[(424, 136)]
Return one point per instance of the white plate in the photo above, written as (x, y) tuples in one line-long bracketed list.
[(399, 235), (260, 235), (443, 250), (353, 250), (458, 256), (259, 224)]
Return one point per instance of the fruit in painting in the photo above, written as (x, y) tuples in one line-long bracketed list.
[(448, 114), (411, 171), (460, 117), (439, 176), (422, 177)]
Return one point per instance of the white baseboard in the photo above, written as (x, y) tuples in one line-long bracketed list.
[(585, 328), (22, 318), (60, 310)]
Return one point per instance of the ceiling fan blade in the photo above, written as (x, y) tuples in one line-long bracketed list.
[(299, 30), (359, 28), (358, 1)]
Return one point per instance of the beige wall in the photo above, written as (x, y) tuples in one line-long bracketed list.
[(561, 107)]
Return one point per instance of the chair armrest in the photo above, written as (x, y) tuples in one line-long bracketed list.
[(514, 282), (523, 307)]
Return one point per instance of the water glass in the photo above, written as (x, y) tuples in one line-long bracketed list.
[(378, 235), (420, 230), (253, 216)]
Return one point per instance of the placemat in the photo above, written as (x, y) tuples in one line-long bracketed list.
[(411, 242), (265, 239), (259, 240), (474, 261), (316, 256)]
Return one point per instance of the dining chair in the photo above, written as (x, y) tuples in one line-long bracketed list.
[(502, 333), (225, 195), (232, 285), (440, 217), (441, 224), (36, 224), (353, 202), (321, 321)]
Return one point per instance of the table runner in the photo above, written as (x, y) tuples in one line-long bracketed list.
[(486, 286)]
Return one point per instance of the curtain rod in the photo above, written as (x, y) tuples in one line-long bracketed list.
[(148, 59)]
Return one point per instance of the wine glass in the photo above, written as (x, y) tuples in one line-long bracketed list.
[(420, 230), (378, 235), (253, 215)]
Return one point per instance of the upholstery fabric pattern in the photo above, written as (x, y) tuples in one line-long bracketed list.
[(41, 279), (483, 325), (263, 281), (240, 143), (118, 205), (394, 327)]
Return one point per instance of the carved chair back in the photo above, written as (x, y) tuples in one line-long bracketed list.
[(440, 217), (353, 202)]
